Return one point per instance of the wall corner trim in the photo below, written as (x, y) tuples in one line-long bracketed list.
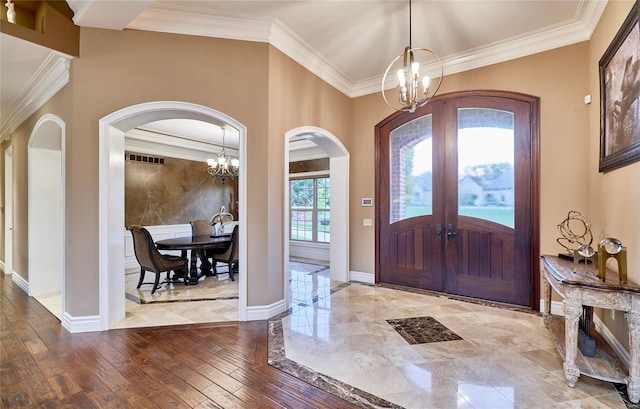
[(20, 282), (89, 323), (368, 278), (264, 312)]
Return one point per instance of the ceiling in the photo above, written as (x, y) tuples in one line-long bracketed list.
[(347, 43)]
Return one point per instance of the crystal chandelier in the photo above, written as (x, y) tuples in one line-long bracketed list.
[(223, 166), (413, 91)]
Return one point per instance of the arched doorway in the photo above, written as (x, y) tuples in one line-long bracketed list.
[(46, 221), (111, 196), (339, 179)]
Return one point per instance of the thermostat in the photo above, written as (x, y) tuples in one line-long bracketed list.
[(367, 201)]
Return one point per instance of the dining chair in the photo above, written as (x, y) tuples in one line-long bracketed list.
[(150, 258), (230, 256)]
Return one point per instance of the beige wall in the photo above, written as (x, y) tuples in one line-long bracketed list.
[(296, 98), (614, 197), (59, 105), (123, 68)]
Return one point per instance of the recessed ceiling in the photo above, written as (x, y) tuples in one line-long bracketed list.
[(346, 43)]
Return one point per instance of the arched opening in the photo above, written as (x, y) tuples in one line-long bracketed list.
[(8, 211), (339, 181), (111, 197), (46, 181)]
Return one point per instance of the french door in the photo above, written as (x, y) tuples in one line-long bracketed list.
[(456, 197)]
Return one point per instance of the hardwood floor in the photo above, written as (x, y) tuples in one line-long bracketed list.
[(195, 366)]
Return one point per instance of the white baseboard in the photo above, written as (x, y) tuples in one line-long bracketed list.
[(21, 282), (90, 323), (310, 251), (264, 312), (2, 266), (368, 278), (619, 349)]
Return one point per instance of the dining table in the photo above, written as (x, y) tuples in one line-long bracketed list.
[(197, 245)]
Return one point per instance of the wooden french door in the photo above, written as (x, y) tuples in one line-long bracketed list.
[(456, 197)]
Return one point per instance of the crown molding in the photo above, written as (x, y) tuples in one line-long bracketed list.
[(51, 76), (103, 14), (580, 30), (153, 143), (195, 21)]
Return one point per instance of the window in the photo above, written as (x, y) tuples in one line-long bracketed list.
[(310, 209)]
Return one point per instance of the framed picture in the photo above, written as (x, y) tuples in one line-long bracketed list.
[(620, 97)]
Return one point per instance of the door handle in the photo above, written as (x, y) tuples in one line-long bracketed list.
[(451, 235), (439, 231)]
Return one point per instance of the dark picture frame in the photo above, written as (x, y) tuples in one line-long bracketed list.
[(620, 97)]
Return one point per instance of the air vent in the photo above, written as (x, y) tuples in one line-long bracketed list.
[(136, 157)]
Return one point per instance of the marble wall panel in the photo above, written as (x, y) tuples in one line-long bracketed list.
[(175, 192)]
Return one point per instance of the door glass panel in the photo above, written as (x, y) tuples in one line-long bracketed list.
[(410, 169), (486, 165)]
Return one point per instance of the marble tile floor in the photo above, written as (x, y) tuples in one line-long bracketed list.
[(307, 280), (218, 287), (504, 359), (52, 302), (214, 299)]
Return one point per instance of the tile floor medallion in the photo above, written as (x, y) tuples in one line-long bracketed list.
[(422, 330), (502, 358)]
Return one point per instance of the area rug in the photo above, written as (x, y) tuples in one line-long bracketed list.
[(218, 287)]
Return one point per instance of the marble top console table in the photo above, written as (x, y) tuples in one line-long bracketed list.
[(580, 286)]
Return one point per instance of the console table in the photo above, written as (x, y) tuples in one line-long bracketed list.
[(580, 286)]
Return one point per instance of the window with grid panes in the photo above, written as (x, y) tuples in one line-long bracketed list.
[(310, 209)]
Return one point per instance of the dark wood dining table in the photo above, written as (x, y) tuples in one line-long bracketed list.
[(197, 245)]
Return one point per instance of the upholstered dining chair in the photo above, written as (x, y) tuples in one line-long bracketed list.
[(230, 256), (150, 258)]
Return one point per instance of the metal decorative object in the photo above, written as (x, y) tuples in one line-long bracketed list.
[(612, 248), (414, 91), (223, 166), (576, 235)]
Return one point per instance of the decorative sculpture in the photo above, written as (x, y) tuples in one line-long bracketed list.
[(220, 219), (576, 235)]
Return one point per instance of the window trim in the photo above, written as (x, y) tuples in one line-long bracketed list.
[(315, 175)]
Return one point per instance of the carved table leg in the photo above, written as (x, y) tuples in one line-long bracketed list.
[(546, 314), (633, 381), (193, 269), (572, 313)]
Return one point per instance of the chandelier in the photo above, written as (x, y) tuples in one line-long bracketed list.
[(223, 167), (413, 91)]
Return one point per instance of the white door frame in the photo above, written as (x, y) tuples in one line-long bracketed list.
[(339, 223), (8, 210), (111, 197), (48, 134)]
